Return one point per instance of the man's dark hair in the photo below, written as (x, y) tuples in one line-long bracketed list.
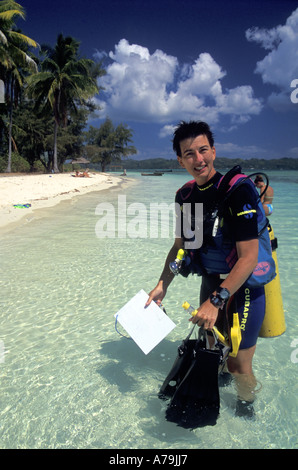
[(191, 129)]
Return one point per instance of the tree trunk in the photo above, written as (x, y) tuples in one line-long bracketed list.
[(8, 169), (55, 160)]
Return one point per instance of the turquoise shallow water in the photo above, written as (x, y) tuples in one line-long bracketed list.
[(68, 380)]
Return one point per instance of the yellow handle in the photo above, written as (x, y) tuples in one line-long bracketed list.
[(186, 306), (235, 331)]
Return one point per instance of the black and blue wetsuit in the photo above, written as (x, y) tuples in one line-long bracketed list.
[(239, 223)]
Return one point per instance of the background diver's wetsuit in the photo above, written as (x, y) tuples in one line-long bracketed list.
[(239, 225)]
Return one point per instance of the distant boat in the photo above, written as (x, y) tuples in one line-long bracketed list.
[(156, 173)]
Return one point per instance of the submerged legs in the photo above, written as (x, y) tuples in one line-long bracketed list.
[(241, 368)]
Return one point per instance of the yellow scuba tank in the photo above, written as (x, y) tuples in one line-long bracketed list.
[(274, 321)]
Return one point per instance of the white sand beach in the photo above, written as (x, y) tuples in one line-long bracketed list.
[(45, 190)]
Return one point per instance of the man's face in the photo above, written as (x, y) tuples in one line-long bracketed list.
[(197, 158)]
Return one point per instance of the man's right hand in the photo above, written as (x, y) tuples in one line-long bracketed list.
[(160, 290), (157, 294)]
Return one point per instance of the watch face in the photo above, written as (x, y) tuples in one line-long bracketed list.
[(224, 294), (216, 301)]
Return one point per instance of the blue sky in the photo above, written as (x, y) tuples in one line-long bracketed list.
[(227, 62)]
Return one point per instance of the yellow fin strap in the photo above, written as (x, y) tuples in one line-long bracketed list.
[(235, 335), (223, 339)]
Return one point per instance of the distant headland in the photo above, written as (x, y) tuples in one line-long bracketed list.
[(221, 162)]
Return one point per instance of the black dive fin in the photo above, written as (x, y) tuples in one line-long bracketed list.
[(196, 400), (179, 369)]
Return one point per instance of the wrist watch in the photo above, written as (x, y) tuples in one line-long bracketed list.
[(220, 298)]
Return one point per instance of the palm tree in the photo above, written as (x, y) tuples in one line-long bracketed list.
[(13, 58), (11, 41), (64, 81)]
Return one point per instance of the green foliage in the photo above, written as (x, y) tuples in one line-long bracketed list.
[(54, 101), (13, 44), (38, 167), (18, 164), (108, 144), (65, 83), (15, 61)]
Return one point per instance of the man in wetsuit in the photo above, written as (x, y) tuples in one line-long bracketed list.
[(194, 145)]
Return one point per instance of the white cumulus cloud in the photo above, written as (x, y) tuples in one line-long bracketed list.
[(154, 87), (280, 66)]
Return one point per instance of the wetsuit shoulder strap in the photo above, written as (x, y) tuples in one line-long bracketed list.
[(226, 181), (225, 184), (186, 190)]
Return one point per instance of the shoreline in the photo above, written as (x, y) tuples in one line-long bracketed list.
[(45, 190)]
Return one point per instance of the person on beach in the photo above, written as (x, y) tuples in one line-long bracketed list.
[(83, 174), (193, 144), (267, 197)]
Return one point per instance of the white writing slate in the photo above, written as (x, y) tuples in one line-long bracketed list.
[(146, 326)]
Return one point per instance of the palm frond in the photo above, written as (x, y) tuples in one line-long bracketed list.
[(3, 38), (23, 39), (21, 57), (49, 65), (10, 14)]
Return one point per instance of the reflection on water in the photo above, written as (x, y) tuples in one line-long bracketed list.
[(68, 380)]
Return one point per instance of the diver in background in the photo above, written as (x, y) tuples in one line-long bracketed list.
[(267, 197)]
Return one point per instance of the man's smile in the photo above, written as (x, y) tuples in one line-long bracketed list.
[(200, 168)]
